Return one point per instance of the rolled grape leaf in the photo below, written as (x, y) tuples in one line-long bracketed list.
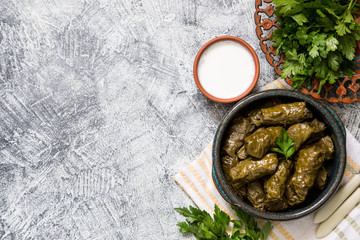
[(291, 196), (282, 114), (255, 115), (301, 132), (326, 147), (240, 190), (275, 184), (319, 127), (276, 205), (321, 178), (256, 195), (236, 134), (242, 154), (308, 163), (260, 142), (228, 163), (249, 170)]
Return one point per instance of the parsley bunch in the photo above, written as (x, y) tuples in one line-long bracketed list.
[(286, 144), (318, 39), (203, 226)]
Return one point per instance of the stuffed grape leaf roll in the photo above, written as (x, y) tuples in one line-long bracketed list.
[(260, 142), (275, 184), (256, 195), (301, 132), (227, 164), (249, 170), (276, 205), (321, 178), (255, 117), (318, 126), (282, 114), (242, 154), (240, 190), (308, 163), (291, 196), (327, 147), (236, 134)]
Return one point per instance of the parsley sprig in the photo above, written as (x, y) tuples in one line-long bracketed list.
[(286, 144), (203, 226), (318, 39)]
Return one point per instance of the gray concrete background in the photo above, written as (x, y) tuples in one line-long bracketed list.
[(99, 111)]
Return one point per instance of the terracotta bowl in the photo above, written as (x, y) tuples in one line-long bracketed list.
[(208, 44), (335, 168)]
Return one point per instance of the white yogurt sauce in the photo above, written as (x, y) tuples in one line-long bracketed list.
[(226, 69)]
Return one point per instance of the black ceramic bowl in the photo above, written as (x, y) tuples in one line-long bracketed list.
[(335, 167)]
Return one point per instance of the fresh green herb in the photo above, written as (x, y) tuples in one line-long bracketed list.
[(318, 39), (286, 144), (249, 224), (203, 226)]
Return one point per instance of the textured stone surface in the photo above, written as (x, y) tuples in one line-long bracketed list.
[(99, 110)]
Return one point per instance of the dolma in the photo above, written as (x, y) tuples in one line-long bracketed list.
[(321, 178), (319, 127), (326, 146), (275, 184), (256, 195), (276, 205), (282, 114), (249, 170), (301, 132), (308, 163), (255, 115), (236, 134), (260, 142), (240, 191), (291, 196), (228, 163), (242, 154)]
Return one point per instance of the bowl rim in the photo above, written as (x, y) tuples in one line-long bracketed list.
[(225, 190), (207, 45)]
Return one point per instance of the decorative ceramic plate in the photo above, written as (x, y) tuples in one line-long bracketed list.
[(344, 90)]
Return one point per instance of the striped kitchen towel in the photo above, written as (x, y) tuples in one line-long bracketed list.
[(196, 180)]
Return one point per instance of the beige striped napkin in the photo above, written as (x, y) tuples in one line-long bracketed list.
[(196, 180)]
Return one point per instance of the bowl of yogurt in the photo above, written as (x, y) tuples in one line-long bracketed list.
[(226, 69)]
